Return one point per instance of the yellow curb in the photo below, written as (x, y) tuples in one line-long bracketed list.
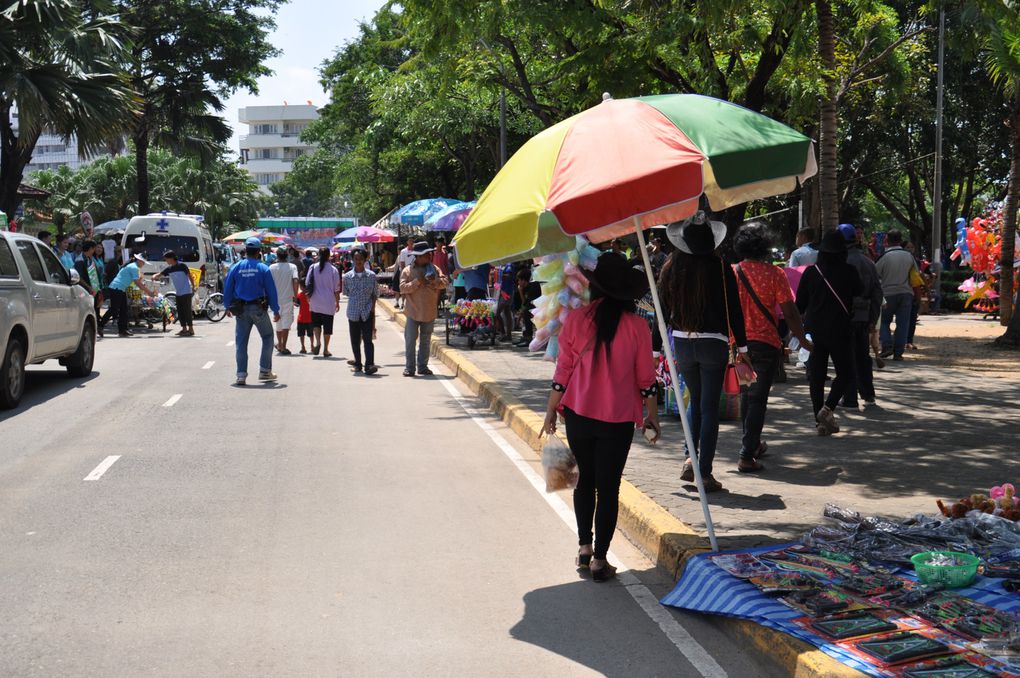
[(664, 538)]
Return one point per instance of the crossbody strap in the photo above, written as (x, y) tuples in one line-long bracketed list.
[(829, 285), (754, 296)]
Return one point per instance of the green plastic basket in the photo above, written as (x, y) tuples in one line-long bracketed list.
[(950, 576)]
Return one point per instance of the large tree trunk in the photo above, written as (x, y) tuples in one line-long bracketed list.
[(141, 139), (828, 121), (14, 156), (1009, 220)]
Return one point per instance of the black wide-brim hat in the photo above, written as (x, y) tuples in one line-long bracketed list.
[(698, 235), (421, 247), (614, 277)]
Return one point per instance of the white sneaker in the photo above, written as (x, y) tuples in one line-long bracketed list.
[(241, 380), (267, 376)]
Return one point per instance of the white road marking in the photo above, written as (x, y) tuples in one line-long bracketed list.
[(208, 364), (173, 400), (699, 658), (103, 467), (230, 343)]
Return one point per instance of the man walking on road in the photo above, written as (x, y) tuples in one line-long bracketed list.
[(285, 277), (91, 277), (248, 293), (866, 310), (180, 276), (127, 275), (359, 286), (420, 284), (894, 269)]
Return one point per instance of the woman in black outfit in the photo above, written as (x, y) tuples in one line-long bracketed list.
[(702, 306), (825, 297)]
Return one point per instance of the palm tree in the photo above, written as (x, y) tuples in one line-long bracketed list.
[(60, 69), (1001, 47), (182, 118)]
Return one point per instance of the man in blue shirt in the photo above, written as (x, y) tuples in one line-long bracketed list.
[(359, 285), (806, 253), (248, 293), (127, 275)]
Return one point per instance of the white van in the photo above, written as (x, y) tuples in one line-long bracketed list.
[(154, 234)]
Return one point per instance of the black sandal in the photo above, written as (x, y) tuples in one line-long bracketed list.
[(604, 573), (583, 561)]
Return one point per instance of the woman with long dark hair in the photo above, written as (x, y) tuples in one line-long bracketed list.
[(324, 281), (702, 306), (825, 297), (604, 385)]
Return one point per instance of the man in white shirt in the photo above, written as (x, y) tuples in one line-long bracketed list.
[(405, 258), (805, 254), (285, 276)]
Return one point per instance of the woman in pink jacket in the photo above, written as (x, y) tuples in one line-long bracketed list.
[(604, 383)]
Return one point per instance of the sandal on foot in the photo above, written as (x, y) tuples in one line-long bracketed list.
[(604, 573), (687, 475), (583, 561)]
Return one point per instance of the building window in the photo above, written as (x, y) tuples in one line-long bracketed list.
[(267, 129)]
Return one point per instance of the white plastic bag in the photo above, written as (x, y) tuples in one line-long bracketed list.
[(559, 464)]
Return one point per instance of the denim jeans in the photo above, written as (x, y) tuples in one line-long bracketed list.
[(755, 398), (361, 331), (421, 333), (702, 363), (255, 316), (898, 307)]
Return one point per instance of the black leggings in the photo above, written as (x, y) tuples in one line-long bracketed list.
[(841, 352), (601, 450)]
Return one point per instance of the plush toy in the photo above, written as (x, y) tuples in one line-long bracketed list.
[(1000, 501)]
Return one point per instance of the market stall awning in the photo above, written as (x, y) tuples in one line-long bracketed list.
[(306, 223)]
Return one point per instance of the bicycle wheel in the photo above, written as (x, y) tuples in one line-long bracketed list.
[(214, 308)]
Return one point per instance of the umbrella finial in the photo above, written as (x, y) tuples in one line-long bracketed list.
[(606, 96)]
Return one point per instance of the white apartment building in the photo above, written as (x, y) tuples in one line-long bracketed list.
[(52, 151), (273, 141)]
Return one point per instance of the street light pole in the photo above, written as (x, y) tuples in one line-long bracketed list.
[(936, 236)]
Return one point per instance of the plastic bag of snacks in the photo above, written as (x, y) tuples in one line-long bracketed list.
[(559, 464)]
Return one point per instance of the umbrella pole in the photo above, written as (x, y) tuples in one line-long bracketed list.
[(671, 364)]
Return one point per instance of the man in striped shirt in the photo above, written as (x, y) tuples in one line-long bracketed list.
[(359, 285)]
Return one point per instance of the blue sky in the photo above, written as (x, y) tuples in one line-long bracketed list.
[(308, 31)]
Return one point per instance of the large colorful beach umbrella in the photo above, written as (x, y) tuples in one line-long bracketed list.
[(450, 218), (365, 234), (417, 213), (627, 165)]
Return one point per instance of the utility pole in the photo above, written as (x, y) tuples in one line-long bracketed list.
[(936, 236)]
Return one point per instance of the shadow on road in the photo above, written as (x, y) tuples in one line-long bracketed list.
[(42, 386)]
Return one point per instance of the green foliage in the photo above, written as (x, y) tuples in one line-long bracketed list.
[(221, 191), (60, 66), (188, 55), (310, 189)]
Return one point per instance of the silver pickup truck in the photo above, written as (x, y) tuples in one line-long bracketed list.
[(44, 314)]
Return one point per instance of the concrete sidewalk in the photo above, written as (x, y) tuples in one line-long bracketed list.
[(938, 433)]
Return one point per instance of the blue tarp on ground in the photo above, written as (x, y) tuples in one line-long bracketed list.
[(704, 587)]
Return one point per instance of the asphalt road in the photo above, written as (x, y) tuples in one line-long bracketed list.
[(327, 525)]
